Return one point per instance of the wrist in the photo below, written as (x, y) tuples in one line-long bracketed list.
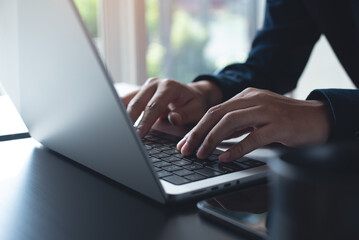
[(211, 93), (325, 118)]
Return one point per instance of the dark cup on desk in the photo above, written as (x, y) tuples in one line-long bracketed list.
[(315, 193)]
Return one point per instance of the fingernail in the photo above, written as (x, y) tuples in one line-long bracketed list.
[(186, 149), (225, 157), (175, 118), (180, 144), (201, 153)]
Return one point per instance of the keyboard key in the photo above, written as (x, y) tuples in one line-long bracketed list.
[(160, 155), (238, 166), (148, 147), (220, 167), (156, 145), (253, 163), (207, 172), (157, 169), (172, 145), (195, 177), (178, 155), (217, 152), (191, 158), (153, 151), (154, 160), (162, 174), (192, 167), (172, 151), (213, 158), (161, 164), (172, 168), (170, 159), (181, 163), (177, 180), (163, 148), (183, 172), (204, 162)]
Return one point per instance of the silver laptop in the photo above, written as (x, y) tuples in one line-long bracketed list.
[(69, 104)]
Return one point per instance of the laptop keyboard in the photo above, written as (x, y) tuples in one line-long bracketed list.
[(177, 169)]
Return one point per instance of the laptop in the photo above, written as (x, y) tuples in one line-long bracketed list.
[(68, 102)]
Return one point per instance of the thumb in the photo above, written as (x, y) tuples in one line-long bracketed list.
[(189, 113), (128, 97)]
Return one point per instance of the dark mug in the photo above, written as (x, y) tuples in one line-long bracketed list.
[(315, 193)]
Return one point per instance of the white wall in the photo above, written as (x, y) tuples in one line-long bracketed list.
[(323, 71)]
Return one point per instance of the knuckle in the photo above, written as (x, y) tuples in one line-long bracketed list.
[(210, 141), (249, 90), (194, 136), (168, 83), (238, 149), (213, 111), (132, 105), (260, 93), (255, 139), (229, 117), (153, 106), (151, 80)]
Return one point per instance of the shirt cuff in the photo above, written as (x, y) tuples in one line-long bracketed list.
[(344, 109)]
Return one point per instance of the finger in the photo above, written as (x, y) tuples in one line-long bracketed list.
[(240, 132), (138, 103), (164, 115), (231, 122), (258, 138), (180, 144), (191, 112), (210, 119), (155, 108), (128, 97)]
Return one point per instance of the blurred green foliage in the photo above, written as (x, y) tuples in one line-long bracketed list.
[(88, 11), (188, 39)]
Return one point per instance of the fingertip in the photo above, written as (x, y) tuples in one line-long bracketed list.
[(141, 132), (181, 143), (186, 150), (201, 153), (225, 157), (175, 118)]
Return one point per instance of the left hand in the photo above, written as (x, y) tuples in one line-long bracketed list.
[(269, 117)]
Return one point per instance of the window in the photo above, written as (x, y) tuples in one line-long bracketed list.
[(180, 39), (188, 37)]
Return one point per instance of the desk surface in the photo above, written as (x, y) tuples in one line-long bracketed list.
[(46, 196)]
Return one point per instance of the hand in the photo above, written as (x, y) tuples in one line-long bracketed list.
[(166, 98), (268, 117)]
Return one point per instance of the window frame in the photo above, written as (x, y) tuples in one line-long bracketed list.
[(123, 36)]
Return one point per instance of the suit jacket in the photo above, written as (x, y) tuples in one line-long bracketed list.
[(281, 50)]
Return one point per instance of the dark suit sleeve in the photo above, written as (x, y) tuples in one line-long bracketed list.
[(279, 52), (344, 107)]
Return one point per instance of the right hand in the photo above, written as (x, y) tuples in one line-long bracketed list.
[(165, 98)]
